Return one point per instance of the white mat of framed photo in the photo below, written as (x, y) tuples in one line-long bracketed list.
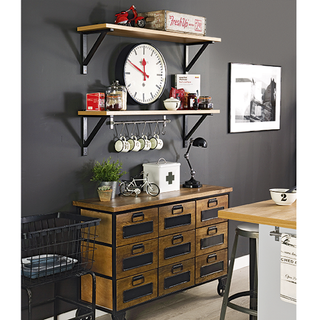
[(255, 92)]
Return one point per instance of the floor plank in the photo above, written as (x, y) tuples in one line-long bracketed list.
[(200, 303)]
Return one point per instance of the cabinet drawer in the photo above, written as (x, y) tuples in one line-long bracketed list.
[(176, 218), (214, 237), (136, 258), (176, 277), (137, 226), (211, 266), (137, 289), (176, 247), (207, 210)]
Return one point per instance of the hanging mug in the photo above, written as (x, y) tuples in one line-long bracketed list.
[(134, 144), (141, 140), (147, 143), (122, 145), (156, 142)]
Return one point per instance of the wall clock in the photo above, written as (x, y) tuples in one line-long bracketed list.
[(142, 69)]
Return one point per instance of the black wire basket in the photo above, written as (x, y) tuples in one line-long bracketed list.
[(56, 246)]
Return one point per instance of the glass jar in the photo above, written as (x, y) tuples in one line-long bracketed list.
[(192, 98), (205, 102), (116, 97)]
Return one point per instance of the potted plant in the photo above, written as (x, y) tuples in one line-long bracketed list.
[(105, 193), (108, 173)]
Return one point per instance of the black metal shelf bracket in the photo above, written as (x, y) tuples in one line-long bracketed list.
[(187, 136), (186, 68), (86, 140), (86, 57)]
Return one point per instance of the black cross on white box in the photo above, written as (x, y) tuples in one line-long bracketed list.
[(170, 178)]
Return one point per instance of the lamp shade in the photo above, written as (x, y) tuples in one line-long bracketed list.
[(199, 142)]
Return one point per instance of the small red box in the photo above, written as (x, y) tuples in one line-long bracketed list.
[(96, 101)]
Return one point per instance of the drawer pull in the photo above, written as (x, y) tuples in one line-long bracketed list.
[(137, 217), (212, 230), (177, 239), (177, 209), (177, 268), (138, 248), (211, 258), (137, 280), (212, 202)]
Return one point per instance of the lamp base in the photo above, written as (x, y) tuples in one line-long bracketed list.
[(192, 183)]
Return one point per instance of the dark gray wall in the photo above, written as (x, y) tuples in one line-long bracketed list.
[(53, 171)]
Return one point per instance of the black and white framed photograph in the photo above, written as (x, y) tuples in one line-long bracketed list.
[(255, 92)]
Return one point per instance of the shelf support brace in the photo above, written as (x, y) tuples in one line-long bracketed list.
[(195, 58), (86, 57), (85, 139), (187, 136)]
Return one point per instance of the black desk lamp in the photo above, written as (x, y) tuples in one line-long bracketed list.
[(193, 183)]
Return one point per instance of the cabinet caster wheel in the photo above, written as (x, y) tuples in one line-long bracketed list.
[(84, 314), (119, 316), (221, 287)]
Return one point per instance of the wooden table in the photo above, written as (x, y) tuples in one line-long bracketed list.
[(264, 212), (267, 214)]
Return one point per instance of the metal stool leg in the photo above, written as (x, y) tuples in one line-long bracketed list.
[(229, 277)]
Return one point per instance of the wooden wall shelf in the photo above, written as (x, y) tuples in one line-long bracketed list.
[(141, 33), (144, 33), (146, 112)]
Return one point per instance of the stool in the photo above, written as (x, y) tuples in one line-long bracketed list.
[(251, 232)]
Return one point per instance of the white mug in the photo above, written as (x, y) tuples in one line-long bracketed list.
[(156, 142), (134, 144), (147, 143), (122, 145)]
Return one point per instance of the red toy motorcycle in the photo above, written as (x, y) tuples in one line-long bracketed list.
[(130, 18)]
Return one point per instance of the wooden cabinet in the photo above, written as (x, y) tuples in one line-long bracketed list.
[(149, 247)]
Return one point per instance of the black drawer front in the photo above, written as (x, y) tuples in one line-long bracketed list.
[(138, 292), (177, 250), (138, 261), (210, 214), (178, 221), (212, 241), (137, 229), (173, 281), (211, 268)]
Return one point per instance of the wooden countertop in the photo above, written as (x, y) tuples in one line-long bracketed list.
[(264, 212), (122, 203)]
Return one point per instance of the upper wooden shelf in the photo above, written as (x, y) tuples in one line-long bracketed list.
[(144, 33), (146, 112)]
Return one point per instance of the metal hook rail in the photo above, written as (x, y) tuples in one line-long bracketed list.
[(113, 123)]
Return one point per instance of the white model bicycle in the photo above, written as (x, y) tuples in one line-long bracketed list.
[(135, 186)]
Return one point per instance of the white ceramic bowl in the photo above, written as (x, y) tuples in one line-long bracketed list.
[(171, 103), (280, 197)]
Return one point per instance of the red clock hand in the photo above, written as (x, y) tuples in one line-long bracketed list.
[(145, 75), (144, 68)]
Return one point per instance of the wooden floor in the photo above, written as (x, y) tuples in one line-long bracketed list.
[(200, 303)]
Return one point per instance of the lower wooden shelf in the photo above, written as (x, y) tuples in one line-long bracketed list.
[(146, 112)]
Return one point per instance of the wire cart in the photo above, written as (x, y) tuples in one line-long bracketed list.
[(55, 247)]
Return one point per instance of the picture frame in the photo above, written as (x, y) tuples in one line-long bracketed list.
[(255, 97)]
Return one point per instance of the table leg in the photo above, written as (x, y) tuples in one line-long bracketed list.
[(253, 267)]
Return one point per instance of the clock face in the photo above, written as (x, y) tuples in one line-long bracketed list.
[(144, 73)]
